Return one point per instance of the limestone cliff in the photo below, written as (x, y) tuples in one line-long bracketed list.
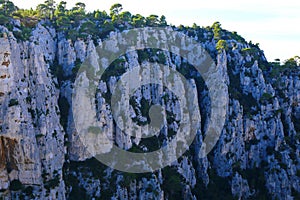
[(42, 156), (32, 139)]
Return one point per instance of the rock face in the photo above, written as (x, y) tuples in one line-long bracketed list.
[(256, 156), (32, 139)]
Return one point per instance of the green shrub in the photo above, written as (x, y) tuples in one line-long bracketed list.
[(3, 20), (13, 102), (266, 97), (38, 136), (29, 191), (162, 58), (270, 150), (28, 99), (172, 184), (221, 45), (217, 30), (53, 183), (142, 55), (16, 185), (246, 51), (24, 34), (298, 173)]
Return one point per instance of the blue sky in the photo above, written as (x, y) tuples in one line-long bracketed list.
[(275, 25)]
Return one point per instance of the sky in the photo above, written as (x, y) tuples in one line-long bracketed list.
[(275, 25)]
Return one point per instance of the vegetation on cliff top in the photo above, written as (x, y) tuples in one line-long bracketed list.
[(76, 23)]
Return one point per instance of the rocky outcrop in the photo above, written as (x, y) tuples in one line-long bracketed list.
[(32, 139), (257, 154)]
